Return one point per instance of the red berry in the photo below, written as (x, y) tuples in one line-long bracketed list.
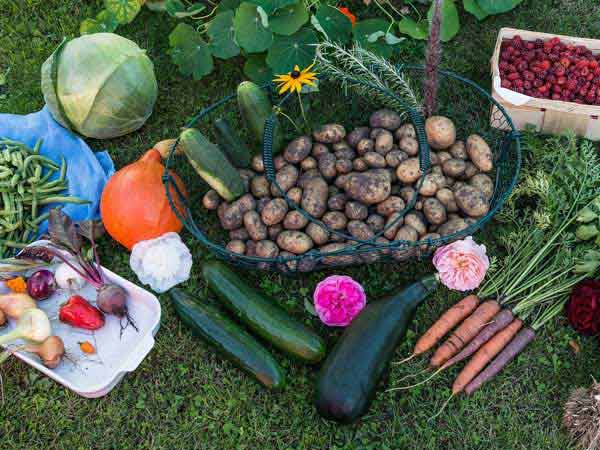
[(506, 84), (593, 64), (530, 46), (527, 85), (537, 83), (528, 75), (545, 64), (555, 96), (561, 80), (513, 76), (543, 89)]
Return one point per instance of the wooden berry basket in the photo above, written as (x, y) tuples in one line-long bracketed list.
[(547, 116)]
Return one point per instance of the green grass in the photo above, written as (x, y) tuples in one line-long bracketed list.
[(185, 396)]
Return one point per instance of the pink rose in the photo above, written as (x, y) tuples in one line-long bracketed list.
[(462, 264), (338, 300)]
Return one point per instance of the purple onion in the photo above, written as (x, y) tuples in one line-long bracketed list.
[(41, 285)]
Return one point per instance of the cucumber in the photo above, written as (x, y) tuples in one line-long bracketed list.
[(231, 143), (228, 338), (255, 108), (349, 377), (209, 161), (262, 315)]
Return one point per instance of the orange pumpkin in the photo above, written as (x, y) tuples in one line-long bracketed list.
[(134, 205)]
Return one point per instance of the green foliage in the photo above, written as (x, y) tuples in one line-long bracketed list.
[(450, 21), (250, 32), (257, 70), (416, 30), (367, 33), (123, 10), (332, 23), (105, 22), (221, 32), (288, 51), (473, 7), (288, 20), (190, 52), (178, 9), (498, 6)]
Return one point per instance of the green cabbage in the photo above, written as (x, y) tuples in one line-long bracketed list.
[(100, 85)]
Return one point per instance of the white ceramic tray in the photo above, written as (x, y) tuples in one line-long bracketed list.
[(96, 375)]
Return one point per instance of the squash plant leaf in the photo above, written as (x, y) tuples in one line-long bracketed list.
[(256, 68), (369, 28), (105, 22), (498, 6), (416, 30), (190, 52), (332, 23), (288, 19), (473, 7), (123, 10), (270, 6), (222, 36), (287, 51), (226, 5), (450, 21), (250, 33), (178, 9)]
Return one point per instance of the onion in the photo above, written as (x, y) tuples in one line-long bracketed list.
[(13, 305), (33, 325), (41, 284)]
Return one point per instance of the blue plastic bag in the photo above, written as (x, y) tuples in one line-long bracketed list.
[(87, 172)]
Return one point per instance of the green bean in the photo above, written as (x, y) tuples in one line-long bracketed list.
[(15, 179), (41, 160), (64, 199), (37, 146)]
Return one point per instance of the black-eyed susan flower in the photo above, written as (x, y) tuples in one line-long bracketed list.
[(294, 80)]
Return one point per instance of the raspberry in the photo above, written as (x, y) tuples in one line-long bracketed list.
[(561, 80), (545, 64), (539, 43), (513, 76), (551, 78), (584, 72), (542, 89), (537, 83), (527, 85), (528, 75), (530, 46), (555, 96), (559, 71), (572, 85)]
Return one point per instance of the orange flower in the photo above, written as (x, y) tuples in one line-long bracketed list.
[(345, 11), (17, 285)]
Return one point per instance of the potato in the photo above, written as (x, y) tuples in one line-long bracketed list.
[(332, 190), (440, 131), (458, 150), (390, 205), (342, 150), (286, 177), (250, 248), (429, 237), (446, 198), (369, 256), (416, 220), (273, 231), (254, 225), (470, 171), (267, 249), (336, 220), (329, 133), (364, 146), (336, 260), (472, 201), (419, 203), (409, 171), (239, 234), (406, 233), (290, 265), (452, 226), (433, 159), (409, 145), (231, 215), (294, 220), (274, 211), (392, 224), (384, 142), (454, 167), (434, 211), (337, 202), (262, 202), (356, 211), (395, 157), (314, 197), (383, 241), (257, 163), (307, 264), (375, 222), (407, 193), (480, 153), (295, 242), (407, 130), (369, 187), (317, 233), (307, 176), (374, 160), (342, 180), (375, 132), (260, 186), (359, 165), (385, 118), (356, 135), (360, 230), (484, 183), (457, 185), (308, 163), (319, 149), (443, 157), (236, 246), (279, 162), (326, 164), (343, 166), (295, 195), (298, 149), (246, 175), (437, 169), (431, 183), (211, 200), (453, 216)]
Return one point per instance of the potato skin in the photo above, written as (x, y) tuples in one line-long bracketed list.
[(374, 160), (314, 197), (336, 260), (356, 135), (395, 157), (452, 226), (385, 118), (257, 163), (260, 186), (308, 163), (454, 167), (295, 194), (286, 177), (317, 233), (356, 211), (459, 150), (294, 220), (390, 205), (211, 200), (330, 133), (337, 202), (365, 145), (407, 193), (274, 211), (470, 171), (409, 145), (254, 225), (326, 163), (440, 131), (407, 129), (343, 166), (298, 149), (360, 230), (406, 233), (431, 183), (273, 231), (472, 201), (236, 246), (409, 171), (295, 242), (434, 211), (239, 234), (416, 220), (231, 215), (360, 165), (384, 142), (336, 220), (446, 197), (369, 187), (319, 149), (480, 153), (266, 249), (392, 224), (484, 183), (376, 222)]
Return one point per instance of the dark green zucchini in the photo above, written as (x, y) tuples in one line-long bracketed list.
[(232, 144), (349, 377), (263, 315), (228, 338)]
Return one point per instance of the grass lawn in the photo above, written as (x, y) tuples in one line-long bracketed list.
[(184, 396)]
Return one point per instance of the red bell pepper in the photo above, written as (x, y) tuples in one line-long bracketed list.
[(78, 312)]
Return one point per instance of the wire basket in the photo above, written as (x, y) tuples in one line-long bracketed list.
[(471, 109)]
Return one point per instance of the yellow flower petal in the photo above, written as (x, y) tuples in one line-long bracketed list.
[(308, 68), (296, 68)]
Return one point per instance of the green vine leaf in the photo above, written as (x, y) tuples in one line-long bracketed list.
[(257, 70), (450, 20), (226, 5), (178, 9), (289, 19), (222, 36), (498, 6), (190, 52), (250, 33), (270, 6), (105, 22), (288, 51), (365, 29), (123, 10), (473, 7), (416, 30), (333, 24)]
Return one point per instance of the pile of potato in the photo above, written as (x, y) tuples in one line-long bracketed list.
[(357, 183)]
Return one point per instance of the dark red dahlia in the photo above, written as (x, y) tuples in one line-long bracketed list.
[(583, 307)]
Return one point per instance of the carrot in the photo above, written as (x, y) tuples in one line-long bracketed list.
[(485, 354), (465, 332), (444, 324), (516, 346)]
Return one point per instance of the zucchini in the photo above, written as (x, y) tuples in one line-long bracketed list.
[(232, 144), (349, 377), (262, 315), (228, 338), (209, 161), (255, 107)]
